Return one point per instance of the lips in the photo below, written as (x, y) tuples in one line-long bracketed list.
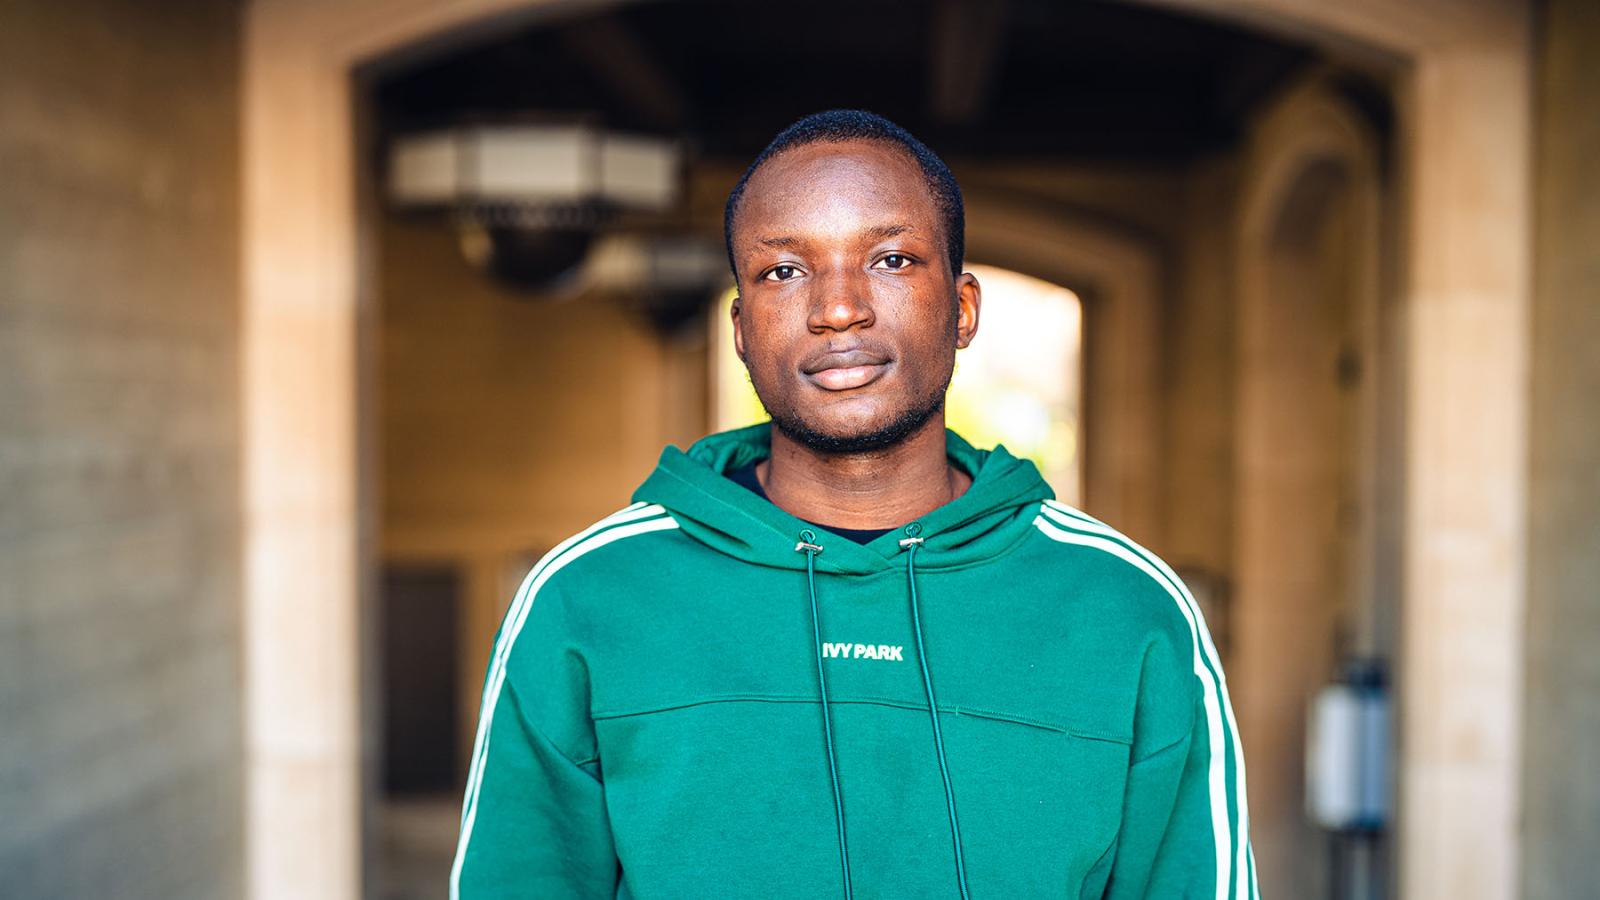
[(846, 369)]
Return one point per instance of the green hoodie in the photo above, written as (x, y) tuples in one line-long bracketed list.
[(703, 696)]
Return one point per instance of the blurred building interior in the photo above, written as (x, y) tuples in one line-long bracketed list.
[(322, 321)]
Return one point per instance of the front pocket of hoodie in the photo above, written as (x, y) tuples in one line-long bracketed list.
[(732, 797)]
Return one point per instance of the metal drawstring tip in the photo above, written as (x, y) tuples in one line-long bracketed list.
[(909, 542), (809, 548)]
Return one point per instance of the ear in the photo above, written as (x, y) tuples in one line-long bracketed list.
[(738, 325), (969, 299)]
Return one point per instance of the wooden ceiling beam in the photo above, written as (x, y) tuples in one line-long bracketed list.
[(629, 70), (968, 42)]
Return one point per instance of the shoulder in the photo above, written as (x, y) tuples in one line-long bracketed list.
[(634, 529), (537, 655), (552, 592), (1133, 587)]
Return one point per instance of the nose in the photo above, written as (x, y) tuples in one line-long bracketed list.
[(842, 302)]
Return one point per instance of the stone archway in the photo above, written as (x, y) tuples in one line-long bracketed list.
[(1120, 280), (1465, 114), (1310, 369)]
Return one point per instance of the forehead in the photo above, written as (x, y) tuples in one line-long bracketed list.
[(837, 187)]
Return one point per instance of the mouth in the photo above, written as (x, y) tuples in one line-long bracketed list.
[(847, 370)]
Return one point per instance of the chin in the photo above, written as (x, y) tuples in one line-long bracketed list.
[(856, 433)]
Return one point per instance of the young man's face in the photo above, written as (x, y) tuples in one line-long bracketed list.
[(848, 316)]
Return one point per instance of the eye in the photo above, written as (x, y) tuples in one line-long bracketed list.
[(893, 262), (781, 273)]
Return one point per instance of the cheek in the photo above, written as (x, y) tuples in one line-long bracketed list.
[(765, 345), (935, 366), (927, 326)]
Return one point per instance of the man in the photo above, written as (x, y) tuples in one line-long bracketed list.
[(846, 653)]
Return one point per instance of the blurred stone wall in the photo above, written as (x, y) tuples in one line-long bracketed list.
[(120, 724), (1561, 724)]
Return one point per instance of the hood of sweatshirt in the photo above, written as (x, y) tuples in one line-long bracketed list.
[(693, 485)]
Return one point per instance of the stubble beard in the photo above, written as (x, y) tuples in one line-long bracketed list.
[(903, 425)]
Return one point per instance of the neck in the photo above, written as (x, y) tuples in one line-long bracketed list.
[(882, 488)]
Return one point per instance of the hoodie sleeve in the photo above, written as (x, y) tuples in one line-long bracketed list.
[(534, 821), (1181, 833)]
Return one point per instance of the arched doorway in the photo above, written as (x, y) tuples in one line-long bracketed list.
[(1119, 279), (1465, 297), (1311, 375)]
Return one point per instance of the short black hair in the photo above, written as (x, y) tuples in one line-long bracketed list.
[(835, 126)]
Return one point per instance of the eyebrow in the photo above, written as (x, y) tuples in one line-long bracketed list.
[(880, 232)]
